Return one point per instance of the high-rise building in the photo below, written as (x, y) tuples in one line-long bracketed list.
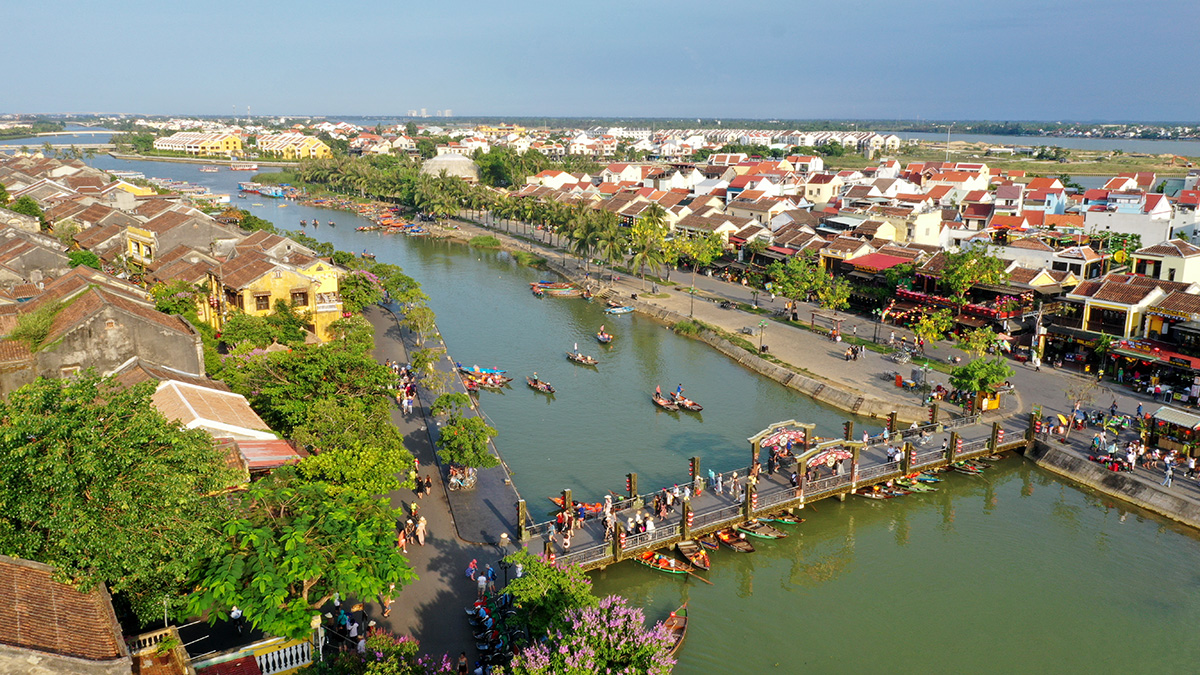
[(423, 113), (412, 113), (449, 113)]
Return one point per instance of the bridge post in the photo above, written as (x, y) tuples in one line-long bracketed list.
[(522, 517), (847, 430), (568, 505), (685, 530), (891, 423), (854, 450), (631, 484), (951, 446), (618, 537), (906, 459), (750, 497), (934, 409), (800, 478), (995, 440)]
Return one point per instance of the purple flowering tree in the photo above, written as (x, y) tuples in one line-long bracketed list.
[(608, 638)]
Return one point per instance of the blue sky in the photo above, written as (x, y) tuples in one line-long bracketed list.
[(869, 59)]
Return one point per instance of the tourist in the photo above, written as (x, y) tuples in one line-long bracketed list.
[(481, 585), (794, 479), (421, 531), (491, 578), (428, 486), (650, 524), (463, 666), (472, 568), (866, 437), (1167, 474), (386, 599), (402, 540), (1112, 410), (566, 541)]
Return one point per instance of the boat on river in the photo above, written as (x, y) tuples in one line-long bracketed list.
[(663, 563), (618, 310), (582, 359), (694, 553), (595, 507), (783, 518), (474, 370), (243, 166), (734, 540), (685, 403), (604, 338), (677, 625), (559, 289), (709, 542), (209, 169), (663, 402), (539, 385), (368, 256), (757, 528), (493, 382)]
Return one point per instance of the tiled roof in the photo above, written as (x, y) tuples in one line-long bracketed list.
[(94, 236), (39, 613), (1178, 301), (1176, 248), (266, 455), (247, 665), (1031, 244), (166, 222), (245, 268)]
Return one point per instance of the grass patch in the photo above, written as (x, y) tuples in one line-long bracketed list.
[(484, 241), (528, 259), (34, 328), (657, 296), (688, 327)]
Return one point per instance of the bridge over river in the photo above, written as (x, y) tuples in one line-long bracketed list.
[(830, 468)]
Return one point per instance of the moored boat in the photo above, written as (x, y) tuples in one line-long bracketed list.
[(784, 518), (694, 553), (663, 402), (596, 507), (757, 528), (677, 625), (243, 166), (477, 369), (209, 169), (604, 338), (734, 540), (582, 359), (709, 542), (663, 563), (618, 310)]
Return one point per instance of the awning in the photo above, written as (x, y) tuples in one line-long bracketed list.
[(862, 275), (1178, 418)]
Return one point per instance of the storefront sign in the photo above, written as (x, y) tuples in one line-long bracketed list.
[(1169, 313), (1179, 360)]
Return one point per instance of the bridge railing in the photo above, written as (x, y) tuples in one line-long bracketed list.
[(961, 422), (824, 485), (872, 472), (587, 555), (716, 515), (645, 538), (972, 446), (925, 458), (776, 497)]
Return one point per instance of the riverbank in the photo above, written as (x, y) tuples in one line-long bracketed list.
[(202, 160), (1067, 462)]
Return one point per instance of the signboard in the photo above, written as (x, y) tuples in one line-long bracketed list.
[(1179, 360)]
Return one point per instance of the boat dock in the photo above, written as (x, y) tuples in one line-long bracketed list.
[(831, 468)]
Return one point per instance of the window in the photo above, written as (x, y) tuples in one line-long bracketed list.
[(1171, 274), (262, 302), (68, 371), (300, 298), (278, 274)]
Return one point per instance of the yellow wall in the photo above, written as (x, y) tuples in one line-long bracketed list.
[(140, 245), (277, 288)]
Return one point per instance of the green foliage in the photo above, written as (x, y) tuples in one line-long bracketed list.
[(177, 297), (387, 654), (359, 289), (546, 593), (401, 287), (420, 320), (900, 276), (422, 360), (353, 333), (33, 328), (253, 223), (287, 326), (27, 206), (980, 374), (932, 326), (977, 341), (64, 230), (450, 404), (288, 546), (528, 259), (484, 241), (798, 277), (970, 266), (95, 481), (241, 328), (356, 446), (1051, 152), (831, 149), (140, 143), (687, 327), (464, 441), (4, 197), (834, 293)]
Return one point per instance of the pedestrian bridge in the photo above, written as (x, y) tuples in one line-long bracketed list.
[(832, 468)]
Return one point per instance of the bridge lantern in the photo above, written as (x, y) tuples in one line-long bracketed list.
[(691, 518), (958, 445), (694, 467), (999, 436), (621, 539)]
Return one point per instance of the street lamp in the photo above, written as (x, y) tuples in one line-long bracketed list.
[(878, 313), (754, 294), (503, 562), (762, 331)]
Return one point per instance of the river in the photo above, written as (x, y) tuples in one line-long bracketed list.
[(1014, 570), (36, 142)]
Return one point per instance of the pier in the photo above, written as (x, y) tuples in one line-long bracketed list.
[(824, 469)]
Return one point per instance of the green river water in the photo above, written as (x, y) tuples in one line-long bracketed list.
[(1012, 571)]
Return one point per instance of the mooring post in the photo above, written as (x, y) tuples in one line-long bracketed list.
[(522, 516), (685, 517), (995, 441), (854, 450), (951, 446), (906, 459), (568, 506)]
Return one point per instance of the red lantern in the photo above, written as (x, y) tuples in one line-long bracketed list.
[(621, 539), (691, 517)]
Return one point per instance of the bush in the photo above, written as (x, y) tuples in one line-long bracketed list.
[(484, 241), (687, 327), (528, 259)]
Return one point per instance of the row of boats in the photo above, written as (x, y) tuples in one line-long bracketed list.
[(694, 552), (922, 481)]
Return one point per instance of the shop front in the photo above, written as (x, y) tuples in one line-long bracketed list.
[(1174, 429), (1153, 367)]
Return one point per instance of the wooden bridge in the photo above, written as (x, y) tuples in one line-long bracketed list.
[(833, 468)]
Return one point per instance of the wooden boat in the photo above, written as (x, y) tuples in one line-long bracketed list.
[(663, 402), (663, 563), (332, 224), (709, 542), (538, 293), (597, 507), (539, 385), (735, 540), (873, 493), (303, 222), (604, 338), (618, 310), (757, 528), (677, 625), (495, 383), (368, 256), (914, 486), (552, 284), (784, 518), (476, 370), (685, 402), (582, 359), (693, 553)]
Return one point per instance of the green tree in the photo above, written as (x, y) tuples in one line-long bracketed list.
[(420, 320), (177, 297), (64, 230), (85, 258), (29, 207), (980, 375), (462, 440), (546, 594), (353, 333), (796, 278), (977, 341), (410, 129), (834, 293), (241, 328), (359, 289), (646, 239), (3, 195), (970, 266), (932, 326), (900, 276), (95, 481), (287, 546), (355, 446), (288, 326)]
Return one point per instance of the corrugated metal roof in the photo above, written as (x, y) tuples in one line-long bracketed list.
[(1178, 417)]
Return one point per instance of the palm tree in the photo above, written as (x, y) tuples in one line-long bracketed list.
[(610, 239)]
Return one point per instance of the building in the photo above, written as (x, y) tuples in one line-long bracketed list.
[(293, 145), (1173, 260), (216, 144), (254, 282)]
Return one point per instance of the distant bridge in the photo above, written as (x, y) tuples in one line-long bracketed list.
[(32, 147), (75, 133)]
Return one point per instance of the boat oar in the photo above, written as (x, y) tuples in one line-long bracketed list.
[(700, 577)]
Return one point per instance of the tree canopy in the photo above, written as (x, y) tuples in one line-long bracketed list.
[(355, 446), (27, 206), (797, 277), (980, 374), (287, 546), (545, 593), (969, 266), (95, 481)]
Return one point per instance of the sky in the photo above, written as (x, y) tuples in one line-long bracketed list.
[(1085, 60)]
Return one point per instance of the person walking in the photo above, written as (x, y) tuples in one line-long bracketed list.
[(386, 599), (1191, 467), (481, 585), (428, 486), (421, 531), (1167, 477), (402, 540)]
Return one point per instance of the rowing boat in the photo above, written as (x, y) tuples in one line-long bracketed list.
[(685, 402), (785, 518), (604, 338), (677, 625), (539, 385), (735, 540), (662, 563), (477, 369), (693, 553), (709, 542), (596, 507), (662, 402), (582, 359), (618, 310), (873, 493), (757, 528)]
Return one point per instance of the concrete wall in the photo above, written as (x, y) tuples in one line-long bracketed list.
[(1052, 457), (14, 661), (93, 344)]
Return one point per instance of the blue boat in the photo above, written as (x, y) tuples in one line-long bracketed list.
[(618, 310), (477, 369)]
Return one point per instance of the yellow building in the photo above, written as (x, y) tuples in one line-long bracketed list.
[(215, 144), (253, 282), (293, 146)]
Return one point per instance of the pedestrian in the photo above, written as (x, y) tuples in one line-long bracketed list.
[(854, 331), (402, 540), (463, 666), (361, 648), (472, 567), (566, 541), (1168, 472), (866, 437), (1139, 411), (386, 599), (892, 338), (1191, 467), (236, 616), (428, 485), (481, 585), (421, 531), (491, 579), (1112, 410)]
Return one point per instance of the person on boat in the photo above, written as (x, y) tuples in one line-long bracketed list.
[(679, 390), (535, 377), (576, 349), (658, 391)]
